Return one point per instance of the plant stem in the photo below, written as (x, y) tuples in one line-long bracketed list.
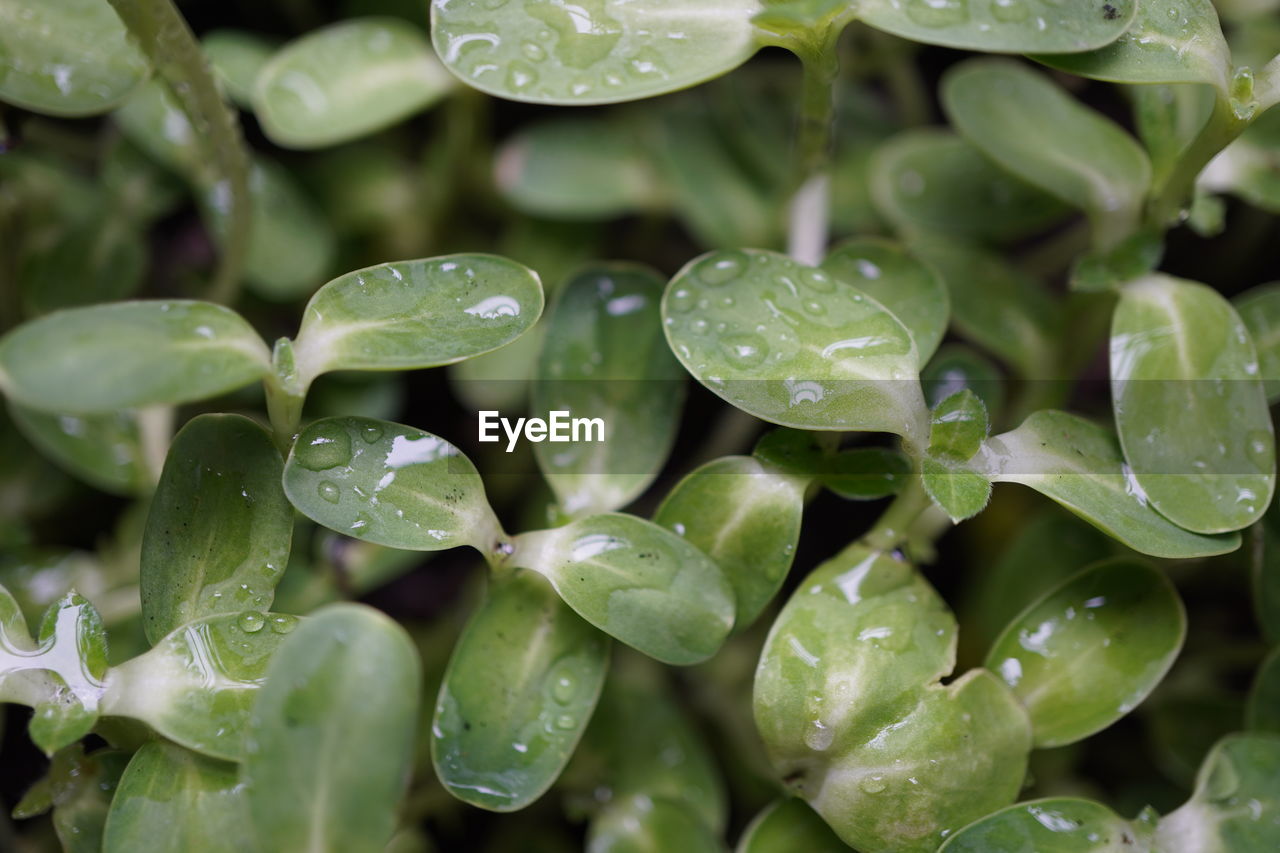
[(809, 210), (892, 528), (155, 428), (1172, 198), (285, 395)]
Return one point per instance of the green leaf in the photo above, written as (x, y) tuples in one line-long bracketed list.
[(95, 360), (912, 291), (173, 799), (745, 515), (1168, 119), (849, 704), (960, 493), (218, 533), (788, 825), (1054, 825), (1078, 464), (643, 824), (1007, 26), (103, 450), (957, 367), (237, 57), (389, 484), (866, 473), (66, 57), (1259, 310), (1262, 714), (792, 345), (600, 52), (637, 582), (1031, 127), (101, 258), (1190, 409), (958, 426), (78, 788), (1091, 650), (1265, 557), (1235, 807), (932, 181), (604, 357), (1133, 257), (415, 314), (795, 451), (72, 648), (331, 737), (1170, 41), (196, 687), (347, 80), (521, 686)]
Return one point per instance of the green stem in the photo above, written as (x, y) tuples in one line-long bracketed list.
[(285, 395), (1173, 197), (892, 528), (809, 210)]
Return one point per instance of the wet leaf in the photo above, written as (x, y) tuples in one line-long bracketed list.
[(792, 345), (347, 80), (1078, 464), (643, 824), (958, 426), (79, 789), (1190, 409), (71, 653), (1056, 825), (637, 582), (1235, 807), (348, 675), (788, 825), (108, 357), (218, 533), (1005, 26), (604, 357), (1259, 310), (1262, 713), (960, 493), (415, 314), (103, 450), (519, 691), (237, 57), (957, 367)]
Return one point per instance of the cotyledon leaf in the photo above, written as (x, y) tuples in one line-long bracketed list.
[(330, 741), (1003, 26), (103, 358), (1189, 405), (218, 532), (1259, 310), (414, 314), (66, 57), (604, 357), (600, 51), (520, 688), (744, 514), (636, 581), (1078, 464), (788, 825), (347, 80), (103, 450), (389, 484), (1055, 825), (793, 345), (1091, 650)]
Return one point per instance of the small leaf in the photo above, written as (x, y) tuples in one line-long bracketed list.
[(957, 367), (1056, 825), (103, 450), (958, 492), (1190, 409), (866, 473), (1011, 26), (643, 824), (1235, 807), (912, 291), (347, 80), (1131, 258), (79, 789), (348, 676), (129, 354), (958, 427), (637, 582), (604, 52), (745, 515), (415, 314), (521, 686), (604, 357), (389, 484), (789, 825), (1028, 125), (237, 57), (1078, 464), (170, 798), (1262, 713), (219, 528), (792, 345), (1259, 310), (1167, 119), (1090, 651), (795, 451), (66, 57), (72, 649)]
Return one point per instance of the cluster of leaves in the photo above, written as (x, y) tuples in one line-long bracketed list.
[(233, 725)]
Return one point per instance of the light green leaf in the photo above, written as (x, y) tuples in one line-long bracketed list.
[(1190, 409), (1167, 119), (237, 57), (1030, 126), (745, 515), (347, 80), (389, 484), (1110, 269), (219, 528), (331, 737), (1170, 41), (1236, 804), (958, 426), (1078, 464), (152, 120), (72, 652), (604, 357), (866, 473), (1056, 825), (912, 291), (104, 358), (643, 824), (415, 314), (1004, 26), (1091, 650), (170, 798), (960, 493), (1262, 713), (792, 345), (197, 685), (601, 52), (1259, 310), (635, 581), (66, 57), (103, 450), (789, 825), (957, 367), (521, 686)]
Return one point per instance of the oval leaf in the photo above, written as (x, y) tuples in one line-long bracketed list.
[(1259, 310), (1004, 26), (1262, 713), (237, 57), (957, 367), (789, 825), (1236, 806), (643, 824), (103, 450), (1059, 825)]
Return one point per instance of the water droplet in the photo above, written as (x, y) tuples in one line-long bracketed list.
[(872, 784), (371, 433), (1009, 10), (520, 75), (362, 521), (1259, 447), (698, 326), (251, 621), (817, 309), (938, 13), (566, 722), (533, 51), (328, 445), (721, 268), (745, 351), (329, 491), (681, 300), (817, 280), (283, 623), (584, 33), (564, 686)]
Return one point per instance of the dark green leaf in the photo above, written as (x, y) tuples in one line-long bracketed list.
[(789, 825), (1059, 825), (642, 824), (866, 473), (1236, 805), (1259, 310), (103, 450), (1262, 714)]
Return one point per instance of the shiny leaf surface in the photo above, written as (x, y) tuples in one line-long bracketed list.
[(1005, 26), (1259, 310), (1236, 806), (959, 492), (1058, 825), (789, 825)]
